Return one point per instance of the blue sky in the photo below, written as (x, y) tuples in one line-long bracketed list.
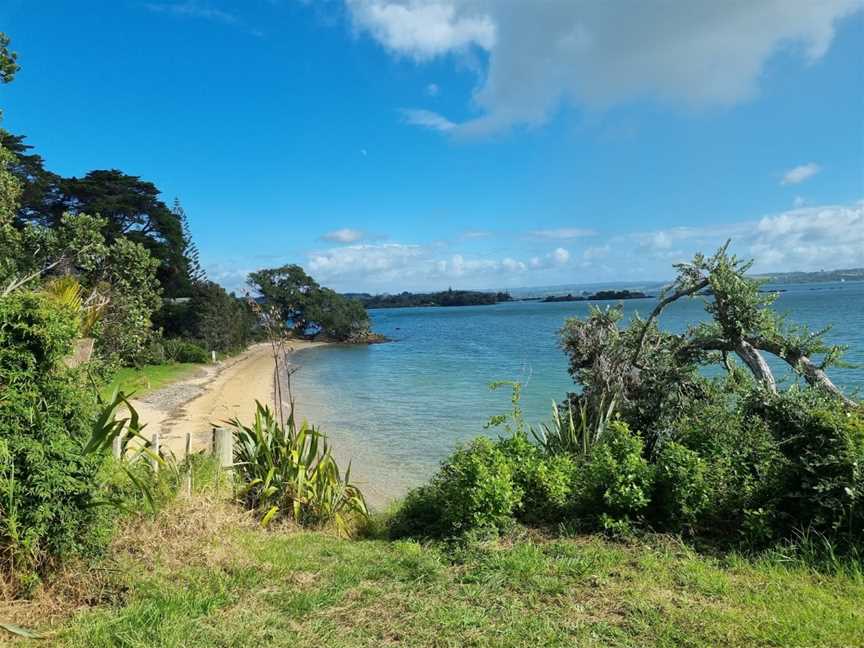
[(417, 144)]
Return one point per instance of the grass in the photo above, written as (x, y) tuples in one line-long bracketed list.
[(148, 378), (202, 574)]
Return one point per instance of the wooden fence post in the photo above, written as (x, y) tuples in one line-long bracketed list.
[(223, 447), (187, 478), (154, 448)]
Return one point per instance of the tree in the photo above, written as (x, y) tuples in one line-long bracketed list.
[(8, 60), (40, 189), (194, 272), (304, 305), (288, 289), (650, 373), (132, 209)]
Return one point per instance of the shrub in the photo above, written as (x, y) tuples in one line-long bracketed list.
[(742, 464), (184, 351), (473, 492), (681, 488), (616, 481), (289, 471), (46, 413), (822, 482)]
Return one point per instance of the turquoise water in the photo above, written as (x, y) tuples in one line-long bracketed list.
[(397, 409)]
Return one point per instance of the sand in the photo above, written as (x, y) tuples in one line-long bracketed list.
[(218, 392)]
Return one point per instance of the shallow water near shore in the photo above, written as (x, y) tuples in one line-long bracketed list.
[(396, 409)]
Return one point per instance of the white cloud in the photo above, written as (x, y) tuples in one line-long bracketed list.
[(800, 173), (427, 119), (432, 89), (422, 30), (799, 201), (344, 235), (811, 238), (562, 233), (193, 9), (540, 54), (476, 234), (560, 256), (597, 252), (397, 265)]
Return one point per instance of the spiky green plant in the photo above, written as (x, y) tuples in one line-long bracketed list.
[(574, 435), (289, 471)]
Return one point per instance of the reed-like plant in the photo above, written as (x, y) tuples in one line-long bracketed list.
[(288, 470), (574, 435)]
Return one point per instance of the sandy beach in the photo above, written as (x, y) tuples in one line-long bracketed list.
[(218, 392)]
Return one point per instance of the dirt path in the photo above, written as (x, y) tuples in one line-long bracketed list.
[(219, 392)]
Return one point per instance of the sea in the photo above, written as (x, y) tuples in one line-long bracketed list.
[(395, 410)]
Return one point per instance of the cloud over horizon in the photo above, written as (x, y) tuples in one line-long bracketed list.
[(537, 56)]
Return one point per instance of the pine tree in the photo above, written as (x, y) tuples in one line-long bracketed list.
[(194, 270)]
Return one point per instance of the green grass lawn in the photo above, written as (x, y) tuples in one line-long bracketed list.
[(148, 378), (235, 585)]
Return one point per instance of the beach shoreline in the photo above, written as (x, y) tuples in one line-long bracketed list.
[(217, 393)]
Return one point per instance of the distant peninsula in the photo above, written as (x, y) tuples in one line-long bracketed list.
[(821, 276), (443, 298), (602, 295)]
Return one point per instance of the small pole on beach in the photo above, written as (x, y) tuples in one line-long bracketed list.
[(188, 477), (213, 356), (154, 448)]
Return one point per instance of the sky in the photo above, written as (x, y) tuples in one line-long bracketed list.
[(390, 145)]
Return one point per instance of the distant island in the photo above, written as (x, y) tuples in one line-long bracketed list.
[(821, 276), (443, 298), (602, 295)]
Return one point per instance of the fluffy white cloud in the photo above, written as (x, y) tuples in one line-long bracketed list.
[(811, 238), (800, 173), (428, 119), (539, 54), (397, 266), (422, 30), (344, 235), (562, 233)]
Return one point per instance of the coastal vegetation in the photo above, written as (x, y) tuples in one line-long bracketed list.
[(443, 298), (649, 443), (602, 295), (658, 506), (310, 309)]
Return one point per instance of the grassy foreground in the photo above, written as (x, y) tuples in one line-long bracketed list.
[(202, 574), (148, 378)]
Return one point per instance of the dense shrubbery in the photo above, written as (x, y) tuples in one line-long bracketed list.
[(184, 351), (655, 445), (46, 413), (757, 473)]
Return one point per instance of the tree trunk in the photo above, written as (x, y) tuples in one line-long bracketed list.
[(756, 363)]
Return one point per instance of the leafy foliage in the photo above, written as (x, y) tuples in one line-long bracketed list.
[(46, 412), (306, 306), (289, 471)]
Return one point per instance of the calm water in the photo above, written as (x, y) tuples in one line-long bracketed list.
[(397, 409)]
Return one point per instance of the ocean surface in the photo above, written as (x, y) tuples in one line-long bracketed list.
[(396, 409)]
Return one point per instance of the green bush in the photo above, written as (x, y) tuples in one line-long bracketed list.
[(616, 482), (473, 492), (822, 481), (681, 487), (46, 412), (184, 351)]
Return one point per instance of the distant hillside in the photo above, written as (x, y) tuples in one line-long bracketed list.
[(852, 274), (443, 298)]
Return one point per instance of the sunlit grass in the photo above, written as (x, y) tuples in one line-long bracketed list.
[(252, 587)]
